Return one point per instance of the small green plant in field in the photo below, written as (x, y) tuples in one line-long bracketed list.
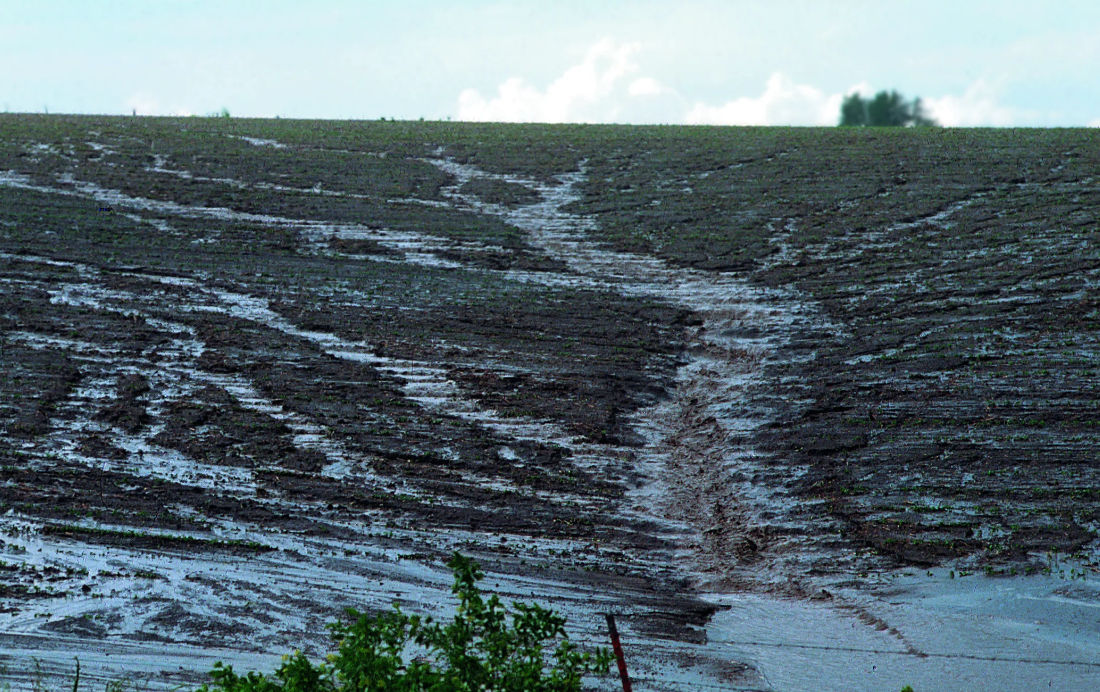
[(476, 651)]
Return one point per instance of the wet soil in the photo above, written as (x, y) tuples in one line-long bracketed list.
[(614, 367), (950, 411)]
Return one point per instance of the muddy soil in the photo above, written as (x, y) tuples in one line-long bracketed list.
[(258, 371), (950, 410)]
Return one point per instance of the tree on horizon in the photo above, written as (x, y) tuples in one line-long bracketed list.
[(885, 109)]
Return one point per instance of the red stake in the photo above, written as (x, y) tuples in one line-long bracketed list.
[(618, 652)]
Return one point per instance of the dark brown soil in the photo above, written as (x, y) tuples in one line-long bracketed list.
[(942, 407)]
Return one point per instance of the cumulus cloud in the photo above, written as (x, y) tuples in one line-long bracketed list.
[(600, 89), (605, 87), (1095, 122), (592, 91), (646, 86), (976, 107), (783, 103)]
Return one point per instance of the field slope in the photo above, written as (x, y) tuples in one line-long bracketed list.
[(260, 370)]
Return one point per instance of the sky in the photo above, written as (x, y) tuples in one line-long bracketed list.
[(1002, 63)]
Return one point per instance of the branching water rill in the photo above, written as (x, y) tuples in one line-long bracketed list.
[(262, 371)]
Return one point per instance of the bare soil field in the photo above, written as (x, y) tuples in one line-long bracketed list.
[(258, 371)]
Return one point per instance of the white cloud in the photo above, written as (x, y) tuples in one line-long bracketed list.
[(863, 89), (599, 89), (786, 103), (1095, 122), (143, 103), (783, 103), (976, 107), (588, 92), (646, 86)]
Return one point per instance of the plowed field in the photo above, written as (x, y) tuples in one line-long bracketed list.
[(256, 371)]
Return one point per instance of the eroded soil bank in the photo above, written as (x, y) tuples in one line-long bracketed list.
[(262, 370)]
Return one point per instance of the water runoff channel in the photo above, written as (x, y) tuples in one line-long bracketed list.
[(926, 630), (929, 629)]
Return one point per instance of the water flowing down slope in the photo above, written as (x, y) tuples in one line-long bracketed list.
[(262, 371)]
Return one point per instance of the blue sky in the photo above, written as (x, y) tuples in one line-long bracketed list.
[(775, 62)]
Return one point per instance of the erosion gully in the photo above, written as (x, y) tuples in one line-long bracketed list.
[(205, 467)]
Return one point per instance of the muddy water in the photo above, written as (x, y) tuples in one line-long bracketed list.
[(933, 631), (703, 484), (703, 472), (943, 633), (266, 601)]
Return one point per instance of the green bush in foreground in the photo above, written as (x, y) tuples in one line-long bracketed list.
[(476, 652)]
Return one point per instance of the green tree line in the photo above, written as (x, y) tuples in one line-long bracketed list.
[(885, 109)]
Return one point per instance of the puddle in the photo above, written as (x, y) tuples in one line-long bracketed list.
[(258, 142), (974, 633)]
